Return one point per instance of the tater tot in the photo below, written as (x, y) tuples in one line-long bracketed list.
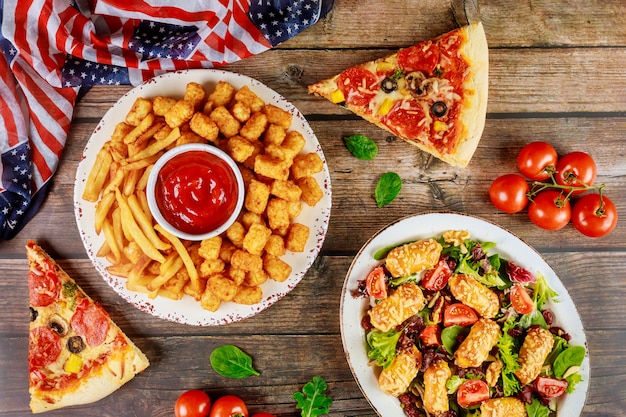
[(257, 197), (222, 94), (245, 95), (277, 214), (160, 105), (297, 237), (276, 268), (239, 148), (248, 295), (278, 116), (140, 109), (245, 261), (226, 122), (210, 248), (209, 301), (179, 113), (274, 135), (202, 125), (275, 245), (287, 190), (271, 167), (195, 94), (306, 164), (254, 278), (311, 191), (256, 238), (240, 111), (254, 126), (224, 288), (235, 233)]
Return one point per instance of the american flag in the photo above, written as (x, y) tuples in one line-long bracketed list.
[(52, 49)]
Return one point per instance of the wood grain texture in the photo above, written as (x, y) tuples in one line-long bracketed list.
[(556, 74)]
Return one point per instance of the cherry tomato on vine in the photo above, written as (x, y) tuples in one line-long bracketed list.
[(550, 210), (192, 403), (229, 406), (594, 217), (520, 300), (536, 159), (508, 193), (576, 169), (472, 392), (376, 284)]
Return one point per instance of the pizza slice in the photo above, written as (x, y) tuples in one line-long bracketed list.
[(76, 354), (432, 94)]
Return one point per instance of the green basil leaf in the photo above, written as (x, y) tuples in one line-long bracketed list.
[(387, 188), (450, 337), (361, 147), (232, 362)]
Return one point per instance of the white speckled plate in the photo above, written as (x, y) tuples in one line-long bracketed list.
[(433, 224), (188, 310)]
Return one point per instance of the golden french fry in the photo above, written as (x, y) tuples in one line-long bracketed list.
[(134, 230), (155, 147), (102, 210), (115, 182), (183, 253), (98, 175), (145, 223), (121, 234), (109, 235), (141, 128), (120, 269), (130, 182), (141, 163), (143, 201), (104, 250), (138, 268), (143, 181), (168, 269)]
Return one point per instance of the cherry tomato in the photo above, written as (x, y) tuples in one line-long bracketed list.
[(536, 160), (576, 169), (520, 300), (431, 335), (594, 217), (192, 403), (550, 387), (437, 278), (376, 284), (229, 406), (508, 193), (472, 392), (262, 414), (550, 210), (458, 314)]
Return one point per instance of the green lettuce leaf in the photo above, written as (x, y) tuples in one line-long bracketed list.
[(382, 346)]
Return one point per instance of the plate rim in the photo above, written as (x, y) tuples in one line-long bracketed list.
[(582, 389), (318, 217)]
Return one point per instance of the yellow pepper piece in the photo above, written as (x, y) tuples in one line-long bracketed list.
[(384, 67), (385, 107), (337, 96), (440, 126), (74, 364)]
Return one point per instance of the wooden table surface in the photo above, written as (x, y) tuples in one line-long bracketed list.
[(557, 73)]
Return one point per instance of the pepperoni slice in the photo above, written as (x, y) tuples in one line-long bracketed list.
[(406, 118), (358, 86), (44, 286), (422, 57), (45, 346), (91, 322)]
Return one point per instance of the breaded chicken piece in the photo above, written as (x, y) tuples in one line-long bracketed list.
[(413, 257), (396, 378), (474, 294), (435, 391), (537, 346), (405, 301), (474, 350), (493, 372), (503, 407)]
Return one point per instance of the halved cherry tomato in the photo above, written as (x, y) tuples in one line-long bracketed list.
[(192, 403), (376, 284), (550, 210), (550, 387), (458, 314), (509, 192), (594, 217), (431, 335), (229, 406), (576, 169), (472, 392), (536, 159), (520, 300), (436, 279)]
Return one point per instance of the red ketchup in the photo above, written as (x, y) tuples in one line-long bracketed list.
[(196, 192)]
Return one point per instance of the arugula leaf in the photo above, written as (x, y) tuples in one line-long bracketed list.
[(387, 188), (536, 409), (382, 346), (507, 351), (572, 356), (361, 147), (312, 400), (232, 362)]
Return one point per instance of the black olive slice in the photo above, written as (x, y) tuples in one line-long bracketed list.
[(389, 85), (439, 109), (33, 314), (75, 344)]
